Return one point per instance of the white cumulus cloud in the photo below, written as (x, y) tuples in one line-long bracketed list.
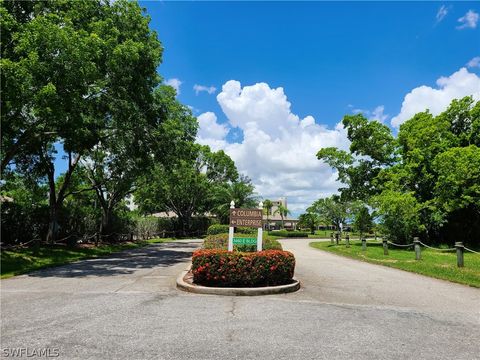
[(210, 132), (208, 89), (279, 148), (175, 83), (475, 62), (460, 84), (469, 20)]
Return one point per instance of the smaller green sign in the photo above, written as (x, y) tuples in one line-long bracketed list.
[(244, 241)]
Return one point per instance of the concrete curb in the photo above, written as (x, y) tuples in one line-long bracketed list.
[(266, 290)]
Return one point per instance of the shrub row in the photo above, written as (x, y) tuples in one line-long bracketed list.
[(220, 242), (284, 233), (242, 269), (217, 229), (220, 229), (150, 225)]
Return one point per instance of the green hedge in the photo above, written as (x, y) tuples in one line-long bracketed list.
[(221, 229), (284, 233), (220, 242), (147, 226), (239, 269), (217, 229)]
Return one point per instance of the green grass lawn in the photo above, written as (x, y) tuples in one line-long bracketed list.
[(20, 261), (441, 265)]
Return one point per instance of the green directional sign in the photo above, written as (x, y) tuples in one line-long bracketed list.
[(244, 241)]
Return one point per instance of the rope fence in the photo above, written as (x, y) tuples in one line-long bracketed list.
[(472, 251), (399, 245), (97, 237), (437, 249), (416, 244)]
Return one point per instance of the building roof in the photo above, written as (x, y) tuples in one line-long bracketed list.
[(277, 217)]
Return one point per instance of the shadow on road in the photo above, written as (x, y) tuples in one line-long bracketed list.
[(124, 263)]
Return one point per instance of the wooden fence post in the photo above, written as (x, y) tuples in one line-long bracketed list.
[(347, 240), (364, 243), (460, 250), (385, 246), (331, 238), (418, 249)]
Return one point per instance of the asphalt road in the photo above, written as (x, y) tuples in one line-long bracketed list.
[(126, 307)]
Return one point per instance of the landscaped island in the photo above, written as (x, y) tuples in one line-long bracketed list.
[(244, 267)]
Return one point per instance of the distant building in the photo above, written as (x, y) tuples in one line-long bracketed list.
[(165, 215), (274, 218)]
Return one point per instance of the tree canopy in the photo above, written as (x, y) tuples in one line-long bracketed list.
[(332, 210), (423, 182), (80, 81)]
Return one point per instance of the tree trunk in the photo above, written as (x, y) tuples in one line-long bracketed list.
[(56, 200), (187, 226), (183, 231), (53, 208), (53, 224), (105, 223), (184, 220)]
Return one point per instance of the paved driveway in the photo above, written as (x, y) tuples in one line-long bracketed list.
[(126, 307)]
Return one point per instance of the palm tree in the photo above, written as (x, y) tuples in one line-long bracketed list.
[(309, 220), (268, 205), (242, 192), (283, 212)]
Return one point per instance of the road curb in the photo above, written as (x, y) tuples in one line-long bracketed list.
[(266, 290)]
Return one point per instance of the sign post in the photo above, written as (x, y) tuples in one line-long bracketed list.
[(247, 218), (260, 230), (230, 229)]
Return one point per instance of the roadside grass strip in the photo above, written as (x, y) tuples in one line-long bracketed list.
[(23, 260), (440, 265)]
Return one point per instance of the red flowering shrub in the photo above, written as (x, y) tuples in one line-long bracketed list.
[(242, 269)]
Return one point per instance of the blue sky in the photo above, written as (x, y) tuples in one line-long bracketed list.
[(325, 55), (281, 75)]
